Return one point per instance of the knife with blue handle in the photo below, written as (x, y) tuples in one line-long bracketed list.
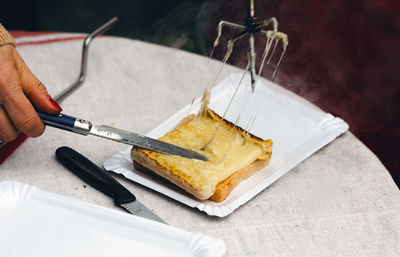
[(85, 127)]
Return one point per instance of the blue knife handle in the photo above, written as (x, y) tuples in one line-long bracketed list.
[(60, 121), (66, 122), (93, 175)]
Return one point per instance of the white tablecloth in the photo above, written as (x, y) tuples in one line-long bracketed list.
[(339, 202)]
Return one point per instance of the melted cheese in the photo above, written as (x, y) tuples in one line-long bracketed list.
[(231, 150)]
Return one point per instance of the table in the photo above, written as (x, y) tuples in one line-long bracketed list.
[(341, 201)]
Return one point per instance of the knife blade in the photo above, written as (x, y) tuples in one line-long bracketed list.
[(103, 181), (85, 127)]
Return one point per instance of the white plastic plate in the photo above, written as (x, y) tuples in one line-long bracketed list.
[(297, 128), (36, 223)]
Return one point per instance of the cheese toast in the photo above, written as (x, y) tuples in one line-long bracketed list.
[(233, 155)]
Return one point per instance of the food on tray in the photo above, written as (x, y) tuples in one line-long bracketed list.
[(233, 155)]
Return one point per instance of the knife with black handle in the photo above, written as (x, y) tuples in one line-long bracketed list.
[(102, 181)]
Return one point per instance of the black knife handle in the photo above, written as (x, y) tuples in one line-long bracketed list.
[(93, 175)]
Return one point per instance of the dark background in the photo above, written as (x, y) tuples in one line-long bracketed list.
[(150, 20), (343, 56)]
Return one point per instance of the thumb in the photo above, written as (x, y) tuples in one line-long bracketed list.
[(35, 90)]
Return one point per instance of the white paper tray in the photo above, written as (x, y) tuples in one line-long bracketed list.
[(297, 128), (36, 223)]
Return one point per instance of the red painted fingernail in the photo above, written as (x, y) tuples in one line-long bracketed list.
[(55, 104)]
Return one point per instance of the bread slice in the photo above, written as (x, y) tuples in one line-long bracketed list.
[(233, 155)]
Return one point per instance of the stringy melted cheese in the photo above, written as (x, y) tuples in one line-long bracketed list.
[(231, 150)]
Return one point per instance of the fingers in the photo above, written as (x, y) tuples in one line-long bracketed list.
[(14, 103), (35, 90), (7, 130), (22, 114)]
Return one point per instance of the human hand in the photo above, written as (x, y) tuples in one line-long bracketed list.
[(20, 93)]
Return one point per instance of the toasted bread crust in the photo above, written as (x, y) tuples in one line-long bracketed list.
[(224, 188), (148, 160), (153, 165)]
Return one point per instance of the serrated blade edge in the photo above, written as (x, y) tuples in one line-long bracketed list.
[(138, 209)]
